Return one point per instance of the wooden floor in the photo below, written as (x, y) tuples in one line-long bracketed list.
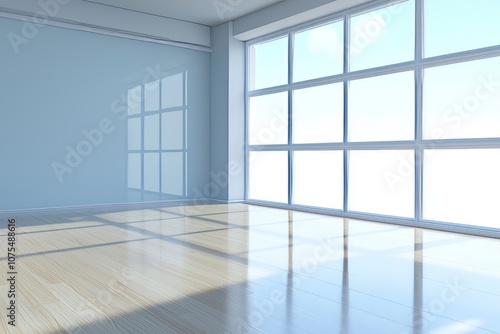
[(244, 269)]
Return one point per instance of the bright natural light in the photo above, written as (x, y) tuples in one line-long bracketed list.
[(382, 108), (462, 186), (318, 178), (268, 176), (381, 103)]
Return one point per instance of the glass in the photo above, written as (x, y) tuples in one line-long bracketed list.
[(463, 25), (318, 178), (382, 108), (268, 176), (268, 64), (382, 182), (268, 119), (383, 36), (462, 186), (319, 52), (462, 100), (318, 114)]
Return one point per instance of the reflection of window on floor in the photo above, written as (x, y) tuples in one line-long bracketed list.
[(157, 148)]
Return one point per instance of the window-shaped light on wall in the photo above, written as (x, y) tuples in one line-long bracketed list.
[(157, 141), (134, 171), (173, 172), (152, 172), (172, 129), (152, 132), (134, 100), (152, 96), (172, 91), (134, 134)]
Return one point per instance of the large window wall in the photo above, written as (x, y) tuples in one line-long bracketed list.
[(388, 111)]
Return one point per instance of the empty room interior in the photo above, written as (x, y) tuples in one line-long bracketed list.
[(250, 166)]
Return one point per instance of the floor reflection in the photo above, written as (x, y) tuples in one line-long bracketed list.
[(248, 269), (345, 280), (418, 275)]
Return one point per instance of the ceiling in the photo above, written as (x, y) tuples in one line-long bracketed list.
[(206, 12)]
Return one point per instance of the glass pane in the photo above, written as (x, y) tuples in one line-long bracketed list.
[(152, 96), (464, 25), (318, 114), (172, 91), (462, 186), (382, 108), (172, 130), (382, 37), (134, 100), (462, 100), (268, 119), (152, 132), (268, 64), (134, 171), (382, 182), (318, 179), (319, 52), (172, 173), (268, 176), (134, 134), (152, 172)]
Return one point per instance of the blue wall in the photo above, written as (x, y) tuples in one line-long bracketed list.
[(66, 101)]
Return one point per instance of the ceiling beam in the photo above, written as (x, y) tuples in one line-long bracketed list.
[(87, 15), (287, 14)]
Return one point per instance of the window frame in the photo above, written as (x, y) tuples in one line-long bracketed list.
[(418, 144)]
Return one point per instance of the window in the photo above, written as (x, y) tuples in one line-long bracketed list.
[(383, 36), (368, 122), (318, 179), (318, 114), (464, 25), (382, 108), (269, 176), (462, 100), (462, 186), (319, 52), (268, 119), (369, 190), (269, 64)]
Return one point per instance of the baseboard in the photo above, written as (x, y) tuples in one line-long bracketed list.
[(129, 205)]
